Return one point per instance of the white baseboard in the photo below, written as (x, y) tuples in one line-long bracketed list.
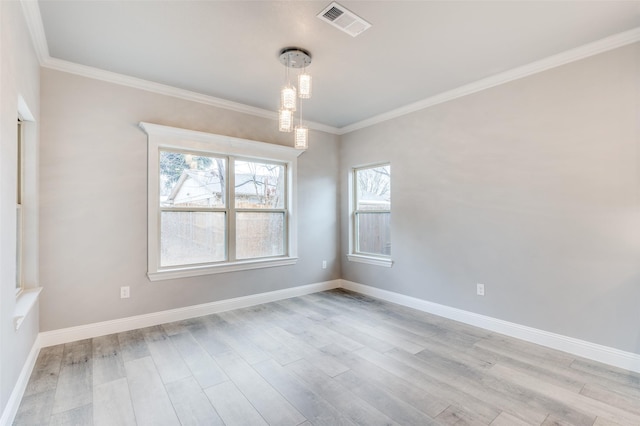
[(600, 353), (605, 354), (72, 334), (11, 409)]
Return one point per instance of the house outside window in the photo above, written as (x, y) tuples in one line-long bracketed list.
[(371, 215), (218, 204)]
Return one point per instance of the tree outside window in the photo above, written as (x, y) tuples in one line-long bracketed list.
[(198, 222), (372, 210)]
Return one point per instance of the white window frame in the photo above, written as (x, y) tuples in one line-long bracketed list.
[(171, 138), (19, 201), (354, 255), (28, 293)]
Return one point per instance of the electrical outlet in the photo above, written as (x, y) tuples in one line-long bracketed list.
[(124, 292), (480, 289), (324, 264)]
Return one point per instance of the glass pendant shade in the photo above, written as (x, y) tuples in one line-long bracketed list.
[(299, 59), (301, 137), (288, 98), (304, 86), (285, 120)]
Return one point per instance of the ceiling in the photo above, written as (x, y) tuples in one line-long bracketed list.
[(413, 51)]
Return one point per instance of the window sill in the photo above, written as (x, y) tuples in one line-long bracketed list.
[(168, 274), (25, 301), (378, 261)]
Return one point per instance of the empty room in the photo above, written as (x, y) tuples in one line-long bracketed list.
[(319, 213)]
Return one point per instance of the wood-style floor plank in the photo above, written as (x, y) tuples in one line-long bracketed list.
[(591, 407), (107, 359), (202, 366), (112, 404), (327, 358), (207, 336), (132, 345), (78, 416), (231, 333), (168, 361), (474, 407), (191, 404), (618, 399), (306, 400), (149, 398), (326, 363), (506, 419), (273, 407), (373, 375), (613, 375), (384, 400), (358, 411), (75, 382), (35, 409), (232, 406), (44, 376)]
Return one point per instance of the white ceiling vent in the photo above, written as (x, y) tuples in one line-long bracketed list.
[(343, 19)]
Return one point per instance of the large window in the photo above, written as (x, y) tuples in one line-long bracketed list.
[(218, 204), (371, 216)]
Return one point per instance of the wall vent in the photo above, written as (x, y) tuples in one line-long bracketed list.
[(343, 19)]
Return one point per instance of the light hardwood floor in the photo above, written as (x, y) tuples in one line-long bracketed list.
[(331, 358)]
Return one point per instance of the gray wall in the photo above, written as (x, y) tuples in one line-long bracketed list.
[(531, 188), (19, 76), (93, 203)]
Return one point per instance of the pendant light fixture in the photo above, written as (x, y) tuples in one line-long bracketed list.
[(301, 134), (285, 120), (294, 57)]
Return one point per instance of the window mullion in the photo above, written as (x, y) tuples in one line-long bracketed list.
[(231, 209), (249, 210)]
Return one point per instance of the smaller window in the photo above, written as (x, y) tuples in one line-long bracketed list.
[(372, 211), (19, 197)]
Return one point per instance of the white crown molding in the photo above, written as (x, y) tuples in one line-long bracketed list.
[(591, 49), (32, 15), (34, 21), (31, 12), (605, 354), (163, 89)]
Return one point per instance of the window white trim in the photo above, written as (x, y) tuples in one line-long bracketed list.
[(24, 303), (354, 255), (165, 137), (371, 260), (29, 199), (19, 282), (194, 271)]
